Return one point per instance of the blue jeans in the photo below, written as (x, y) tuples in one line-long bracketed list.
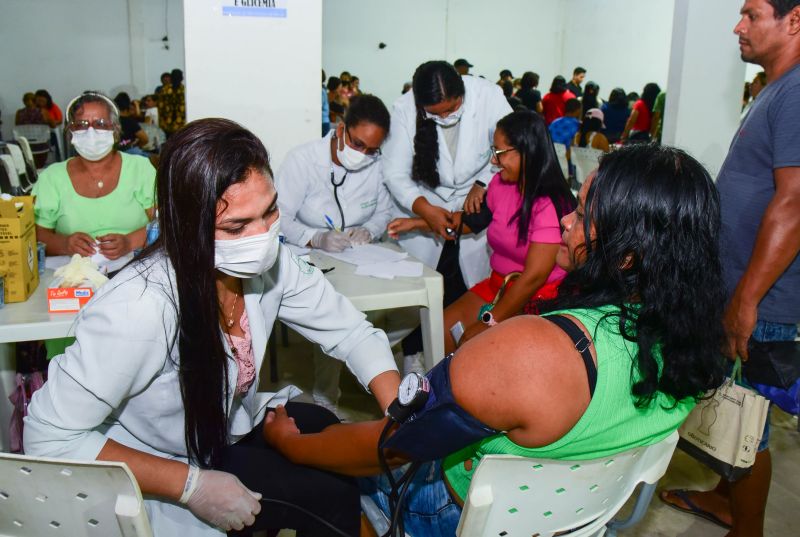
[(429, 508), (769, 331)]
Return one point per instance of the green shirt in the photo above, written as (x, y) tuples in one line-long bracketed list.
[(122, 210), (611, 424)]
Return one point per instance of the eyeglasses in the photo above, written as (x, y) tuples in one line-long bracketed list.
[(98, 124), (361, 148), (497, 152)]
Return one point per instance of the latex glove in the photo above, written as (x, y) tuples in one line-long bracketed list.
[(359, 235), (331, 241), (223, 501)]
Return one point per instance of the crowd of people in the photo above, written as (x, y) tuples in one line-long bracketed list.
[(591, 324)]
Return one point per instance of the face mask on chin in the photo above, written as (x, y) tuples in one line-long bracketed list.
[(248, 257), (93, 144), (351, 159)]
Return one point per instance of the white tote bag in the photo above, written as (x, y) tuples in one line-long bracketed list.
[(723, 431)]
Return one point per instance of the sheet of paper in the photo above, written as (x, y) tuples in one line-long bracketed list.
[(391, 269), (367, 254), (297, 250)]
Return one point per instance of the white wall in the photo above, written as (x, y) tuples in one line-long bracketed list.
[(68, 47), (262, 72), (620, 42)]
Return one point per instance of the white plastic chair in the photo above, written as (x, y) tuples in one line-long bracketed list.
[(155, 136), (561, 153), (585, 160), (38, 138), (19, 163), (11, 171), (519, 496), (40, 497), (30, 164)]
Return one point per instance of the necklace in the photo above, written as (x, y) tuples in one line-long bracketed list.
[(100, 183), (229, 320)]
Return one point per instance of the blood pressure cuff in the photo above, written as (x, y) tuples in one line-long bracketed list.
[(441, 427)]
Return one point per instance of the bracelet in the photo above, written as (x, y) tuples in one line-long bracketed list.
[(480, 183), (190, 485)]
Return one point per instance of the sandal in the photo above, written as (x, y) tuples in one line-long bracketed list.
[(692, 509)]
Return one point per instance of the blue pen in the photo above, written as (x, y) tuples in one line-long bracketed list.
[(330, 223)]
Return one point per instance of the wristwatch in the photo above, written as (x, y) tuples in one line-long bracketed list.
[(487, 318), (413, 391)]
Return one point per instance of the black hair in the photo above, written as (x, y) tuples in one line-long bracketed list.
[(504, 73), (46, 95), (122, 100), (323, 76), (762, 76), (655, 256), (433, 82), (163, 75), (783, 7), (508, 88), (367, 109), (578, 71), (176, 78), (649, 94), (559, 85), (618, 98), (529, 79), (590, 93), (198, 163), (589, 124), (93, 97), (633, 96), (333, 83), (571, 106), (539, 172)]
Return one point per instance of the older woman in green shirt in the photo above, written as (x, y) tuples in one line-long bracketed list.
[(101, 200)]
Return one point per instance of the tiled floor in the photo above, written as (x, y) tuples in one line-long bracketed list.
[(295, 367)]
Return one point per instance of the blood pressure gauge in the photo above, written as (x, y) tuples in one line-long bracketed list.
[(413, 391)]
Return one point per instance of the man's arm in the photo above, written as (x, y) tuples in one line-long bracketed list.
[(777, 245)]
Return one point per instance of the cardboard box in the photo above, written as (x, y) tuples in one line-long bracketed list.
[(18, 255), (67, 299)]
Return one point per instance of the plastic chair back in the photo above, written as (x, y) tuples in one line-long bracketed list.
[(19, 163), (33, 133), (11, 172), (520, 496), (585, 160), (40, 497), (561, 153), (30, 165)]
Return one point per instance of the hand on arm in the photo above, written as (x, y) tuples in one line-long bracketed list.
[(777, 245), (438, 219), (474, 199)]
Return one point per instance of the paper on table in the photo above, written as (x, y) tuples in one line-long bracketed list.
[(366, 254), (388, 270), (297, 250), (54, 262)]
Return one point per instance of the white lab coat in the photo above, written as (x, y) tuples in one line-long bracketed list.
[(120, 379), (305, 194), (484, 105)]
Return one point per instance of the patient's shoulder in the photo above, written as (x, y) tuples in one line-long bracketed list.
[(524, 374)]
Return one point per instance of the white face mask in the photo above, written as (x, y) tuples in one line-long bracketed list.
[(248, 257), (93, 144), (351, 159), (450, 120)]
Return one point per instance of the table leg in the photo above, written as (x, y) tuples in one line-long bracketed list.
[(8, 371), (432, 320)]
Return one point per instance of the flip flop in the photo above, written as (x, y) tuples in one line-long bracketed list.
[(693, 509)]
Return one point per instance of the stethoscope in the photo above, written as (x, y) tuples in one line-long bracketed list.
[(336, 186)]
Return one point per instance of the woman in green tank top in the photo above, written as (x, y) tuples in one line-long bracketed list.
[(644, 286)]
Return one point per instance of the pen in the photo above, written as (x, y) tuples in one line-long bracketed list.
[(329, 222)]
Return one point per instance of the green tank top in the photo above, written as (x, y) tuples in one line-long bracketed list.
[(611, 423)]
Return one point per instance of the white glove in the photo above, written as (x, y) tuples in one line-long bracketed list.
[(221, 499), (359, 235), (331, 241)]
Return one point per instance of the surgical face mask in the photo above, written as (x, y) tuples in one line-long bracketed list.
[(93, 144), (351, 159), (450, 120), (248, 257)]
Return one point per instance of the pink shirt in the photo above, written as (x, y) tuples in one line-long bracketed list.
[(242, 348), (504, 200)]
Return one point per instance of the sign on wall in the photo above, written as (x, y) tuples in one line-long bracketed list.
[(255, 8)]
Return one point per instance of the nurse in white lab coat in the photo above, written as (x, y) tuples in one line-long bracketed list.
[(164, 372), (437, 153), (331, 191)]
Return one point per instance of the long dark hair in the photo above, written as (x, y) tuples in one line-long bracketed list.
[(539, 173), (198, 163), (590, 93), (589, 124), (618, 98), (656, 214), (559, 85), (433, 82), (649, 94)]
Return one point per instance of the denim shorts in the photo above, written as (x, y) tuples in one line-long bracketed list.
[(769, 331), (429, 508)]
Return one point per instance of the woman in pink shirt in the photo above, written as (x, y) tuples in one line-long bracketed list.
[(523, 207)]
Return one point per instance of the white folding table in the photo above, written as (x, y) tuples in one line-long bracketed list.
[(30, 321)]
